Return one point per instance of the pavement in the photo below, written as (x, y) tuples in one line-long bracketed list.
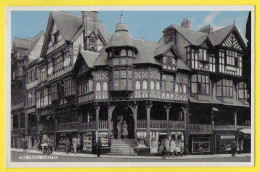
[(135, 157)]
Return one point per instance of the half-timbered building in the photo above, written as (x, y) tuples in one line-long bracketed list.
[(188, 86)]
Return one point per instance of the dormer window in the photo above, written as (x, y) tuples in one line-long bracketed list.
[(55, 37), (169, 61), (231, 58)]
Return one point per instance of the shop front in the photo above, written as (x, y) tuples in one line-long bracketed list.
[(224, 142), (244, 140), (201, 144)]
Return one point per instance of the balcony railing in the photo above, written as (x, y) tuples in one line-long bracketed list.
[(16, 131), (141, 124), (68, 126), (47, 128), (17, 106), (33, 129), (224, 127), (158, 124), (200, 129), (89, 125), (177, 125)]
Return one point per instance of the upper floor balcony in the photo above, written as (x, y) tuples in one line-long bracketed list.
[(17, 106)]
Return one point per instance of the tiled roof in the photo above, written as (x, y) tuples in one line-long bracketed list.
[(102, 29), (89, 57), (162, 49), (194, 37), (36, 48), (218, 36), (182, 65), (145, 53), (22, 43), (68, 24)]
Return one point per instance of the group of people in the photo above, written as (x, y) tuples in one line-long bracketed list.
[(46, 145), (172, 148), (76, 143), (122, 129)]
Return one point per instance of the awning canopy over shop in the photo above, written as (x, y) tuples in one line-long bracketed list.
[(245, 131)]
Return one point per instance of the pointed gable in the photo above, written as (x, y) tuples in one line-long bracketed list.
[(228, 37)]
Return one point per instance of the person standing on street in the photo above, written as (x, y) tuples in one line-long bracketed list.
[(233, 148), (125, 131), (99, 147), (172, 148), (167, 145), (67, 145), (50, 145), (24, 144), (75, 144)]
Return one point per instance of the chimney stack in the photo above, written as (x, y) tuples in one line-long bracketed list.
[(186, 23), (207, 29), (89, 22)]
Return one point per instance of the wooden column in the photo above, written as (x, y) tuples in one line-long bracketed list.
[(235, 118), (167, 108), (185, 111), (97, 107), (148, 112), (109, 123), (26, 125), (135, 108)]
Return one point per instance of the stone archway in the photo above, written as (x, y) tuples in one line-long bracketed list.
[(123, 113)]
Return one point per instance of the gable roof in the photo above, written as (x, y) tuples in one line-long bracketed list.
[(35, 50), (89, 57), (68, 24), (194, 37), (218, 36)]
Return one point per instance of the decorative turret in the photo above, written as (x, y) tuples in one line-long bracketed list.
[(121, 37), (121, 53)]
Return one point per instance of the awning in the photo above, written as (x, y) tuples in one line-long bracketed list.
[(245, 131)]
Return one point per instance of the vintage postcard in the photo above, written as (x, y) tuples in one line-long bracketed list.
[(136, 86)]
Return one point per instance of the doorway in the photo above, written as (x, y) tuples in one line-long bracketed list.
[(120, 114)]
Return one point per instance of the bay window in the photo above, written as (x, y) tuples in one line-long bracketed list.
[(122, 79), (225, 88), (200, 84), (68, 87), (53, 95), (242, 91)]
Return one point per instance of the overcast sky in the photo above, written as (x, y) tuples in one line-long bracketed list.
[(146, 25)]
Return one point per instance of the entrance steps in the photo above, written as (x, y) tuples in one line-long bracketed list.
[(122, 147)]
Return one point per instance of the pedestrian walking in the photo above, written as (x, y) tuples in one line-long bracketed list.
[(75, 144), (167, 146), (79, 144), (164, 152), (172, 148), (67, 145), (25, 142), (99, 147), (119, 129), (233, 148), (50, 145), (125, 131)]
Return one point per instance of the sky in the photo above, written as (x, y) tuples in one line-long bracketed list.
[(147, 25)]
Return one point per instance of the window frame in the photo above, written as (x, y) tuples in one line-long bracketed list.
[(200, 83)]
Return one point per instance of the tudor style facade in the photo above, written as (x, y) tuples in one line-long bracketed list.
[(188, 86)]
